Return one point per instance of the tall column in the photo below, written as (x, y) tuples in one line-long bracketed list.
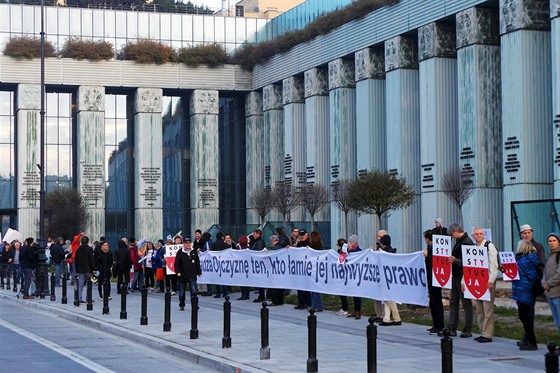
[(273, 139), (317, 138), (294, 137), (438, 119), (403, 135), (526, 108), (28, 156), (91, 156), (254, 148), (204, 109), (480, 131), (342, 121), (148, 213), (371, 141), (555, 42)]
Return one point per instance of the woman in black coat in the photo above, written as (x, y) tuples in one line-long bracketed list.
[(104, 262), (122, 256)]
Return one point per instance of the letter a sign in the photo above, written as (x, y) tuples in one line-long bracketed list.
[(475, 272), (170, 255), (509, 265), (441, 266)]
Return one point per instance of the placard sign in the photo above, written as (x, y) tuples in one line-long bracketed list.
[(475, 272), (441, 266), (170, 255), (509, 265)]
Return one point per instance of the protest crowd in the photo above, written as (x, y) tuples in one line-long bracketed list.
[(466, 264)]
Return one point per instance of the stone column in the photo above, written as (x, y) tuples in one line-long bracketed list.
[(91, 155), (342, 121), (28, 156), (480, 132), (317, 137), (254, 148), (526, 109), (204, 109), (148, 213), (403, 135), (555, 42), (273, 139), (371, 140), (438, 119), (295, 138)]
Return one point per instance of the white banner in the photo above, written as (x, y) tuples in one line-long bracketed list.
[(369, 274)]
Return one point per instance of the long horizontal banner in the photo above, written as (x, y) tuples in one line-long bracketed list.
[(369, 274)]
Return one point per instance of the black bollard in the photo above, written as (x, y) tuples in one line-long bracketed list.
[(265, 348), (551, 359), (106, 289), (226, 340), (15, 274), (446, 352), (167, 311), (123, 301), (312, 363), (64, 300), (144, 307), (194, 317), (53, 296), (76, 299), (371, 334), (8, 277), (89, 286)]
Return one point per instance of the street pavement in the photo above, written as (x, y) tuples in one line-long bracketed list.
[(341, 341)]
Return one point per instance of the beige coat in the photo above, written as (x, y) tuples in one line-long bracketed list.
[(552, 275)]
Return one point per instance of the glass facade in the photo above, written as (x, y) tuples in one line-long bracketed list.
[(7, 151)]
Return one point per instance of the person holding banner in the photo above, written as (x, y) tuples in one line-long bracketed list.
[(390, 306), (354, 247), (436, 304), (485, 309), (456, 294), (551, 277), (187, 267)]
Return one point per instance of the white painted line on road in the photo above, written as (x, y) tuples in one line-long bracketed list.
[(58, 348)]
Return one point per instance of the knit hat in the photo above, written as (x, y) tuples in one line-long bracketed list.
[(554, 235), (385, 240), (439, 220), (525, 227)]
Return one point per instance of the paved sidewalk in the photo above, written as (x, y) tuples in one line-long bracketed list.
[(341, 343)]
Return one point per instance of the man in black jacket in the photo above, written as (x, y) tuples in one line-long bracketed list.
[(187, 267), (124, 263), (28, 261), (58, 259), (220, 245), (85, 265)]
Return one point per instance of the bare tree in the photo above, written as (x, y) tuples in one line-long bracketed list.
[(341, 198), (260, 201), (66, 212), (378, 192), (284, 199), (313, 197), (457, 189)]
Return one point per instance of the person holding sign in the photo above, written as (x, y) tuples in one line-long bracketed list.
[(436, 304), (522, 292), (551, 278), (485, 309), (461, 238)]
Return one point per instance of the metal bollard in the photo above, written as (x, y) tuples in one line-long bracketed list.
[(371, 334), (64, 299), (194, 317), (226, 340), (265, 348), (106, 289), (89, 286), (144, 307), (167, 311), (446, 352), (76, 299), (551, 359), (123, 301), (15, 274), (53, 296), (312, 363)]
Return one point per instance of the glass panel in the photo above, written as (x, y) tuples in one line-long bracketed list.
[(87, 27), (165, 26), (5, 21), (110, 131), (198, 28), (63, 21), (154, 25), (240, 30), (110, 106), (176, 44), (208, 35), (64, 104), (16, 19), (109, 19), (6, 103), (65, 130), (175, 27), (187, 29), (50, 20), (28, 21), (6, 134), (121, 107), (51, 130), (119, 44), (143, 25), (132, 25), (121, 130), (251, 30), (219, 29), (65, 162), (51, 167), (5, 160), (75, 26), (52, 105), (98, 25), (120, 24)]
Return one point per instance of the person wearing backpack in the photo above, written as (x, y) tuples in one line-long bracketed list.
[(551, 277), (485, 309)]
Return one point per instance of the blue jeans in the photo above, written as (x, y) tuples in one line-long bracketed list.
[(316, 301), (59, 269), (82, 279), (182, 288), (554, 304), (19, 276)]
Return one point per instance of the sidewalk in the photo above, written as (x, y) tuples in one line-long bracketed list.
[(341, 345)]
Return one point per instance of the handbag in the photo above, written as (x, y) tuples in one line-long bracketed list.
[(160, 274)]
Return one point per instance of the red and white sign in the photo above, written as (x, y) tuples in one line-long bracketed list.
[(441, 266), (170, 254), (509, 265), (475, 272)]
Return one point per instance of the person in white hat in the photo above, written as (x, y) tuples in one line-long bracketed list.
[(526, 233)]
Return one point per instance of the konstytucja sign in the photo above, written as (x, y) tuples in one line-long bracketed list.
[(369, 274)]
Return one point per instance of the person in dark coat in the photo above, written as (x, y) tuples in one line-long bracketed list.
[(85, 265), (220, 245), (28, 261), (436, 304), (104, 262), (124, 263), (187, 267), (58, 259)]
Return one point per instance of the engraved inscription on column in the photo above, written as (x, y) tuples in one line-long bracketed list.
[(524, 14), (92, 184), (428, 176), (316, 82), (150, 177), (253, 104), (401, 52), (206, 195), (477, 26), (511, 159), (30, 188)]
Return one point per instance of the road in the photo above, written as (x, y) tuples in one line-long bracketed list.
[(37, 341)]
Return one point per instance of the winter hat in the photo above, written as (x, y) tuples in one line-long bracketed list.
[(554, 235), (385, 240), (302, 232), (439, 220), (525, 227)]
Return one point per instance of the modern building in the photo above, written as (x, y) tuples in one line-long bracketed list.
[(416, 88), (264, 8)]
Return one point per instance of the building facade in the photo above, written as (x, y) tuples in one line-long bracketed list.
[(416, 88)]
